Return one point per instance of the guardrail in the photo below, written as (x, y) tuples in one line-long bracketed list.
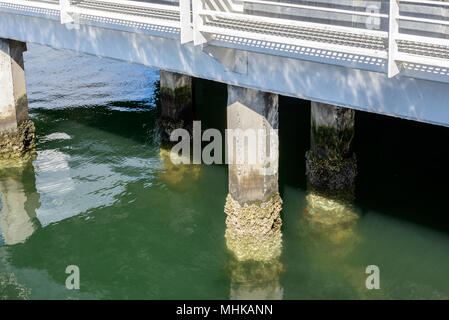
[(412, 32)]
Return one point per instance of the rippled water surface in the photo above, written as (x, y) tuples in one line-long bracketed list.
[(101, 195)]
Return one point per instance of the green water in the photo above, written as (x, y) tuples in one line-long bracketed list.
[(100, 195)]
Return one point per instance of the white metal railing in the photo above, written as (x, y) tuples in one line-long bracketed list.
[(398, 31)]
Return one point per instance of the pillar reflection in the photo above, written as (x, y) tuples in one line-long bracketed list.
[(177, 176), (19, 201), (329, 221)]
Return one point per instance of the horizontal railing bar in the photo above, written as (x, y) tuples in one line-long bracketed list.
[(427, 2), (297, 42), (36, 4), (418, 59), (424, 20), (140, 4), (310, 7), (135, 10), (125, 16), (250, 18), (421, 39)]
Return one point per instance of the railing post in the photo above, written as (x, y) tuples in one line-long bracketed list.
[(64, 9), (198, 22), (393, 31), (186, 21)]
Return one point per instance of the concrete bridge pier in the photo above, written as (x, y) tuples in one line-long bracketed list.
[(253, 204), (176, 103), (16, 130), (331, 164)]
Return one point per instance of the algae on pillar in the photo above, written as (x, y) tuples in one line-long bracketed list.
[(176, 103), (16, 130), (253, 204), (331, 163)]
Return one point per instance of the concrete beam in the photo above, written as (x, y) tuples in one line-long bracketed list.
[(16, 130)]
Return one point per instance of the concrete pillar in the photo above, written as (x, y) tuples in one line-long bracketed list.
[(16, 130), (176, 103), (331, 163), (253, 204)]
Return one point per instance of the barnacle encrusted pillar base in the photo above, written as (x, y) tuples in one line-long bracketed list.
[(253, 231), (253, 235), (17, 143), (16, 130)]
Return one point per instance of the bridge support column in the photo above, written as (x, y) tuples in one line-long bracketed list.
[(176, 103), (253, 204), (329, 218), (330, 163), (16, 130)]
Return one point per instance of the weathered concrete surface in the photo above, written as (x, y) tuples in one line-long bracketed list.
[(176, 103), (16, 130), (252, 112), (331, 163), (253, 204)]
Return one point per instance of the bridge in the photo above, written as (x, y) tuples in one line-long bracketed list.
[(388, 57), (385, 57)]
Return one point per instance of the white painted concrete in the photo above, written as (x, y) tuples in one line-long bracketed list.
[(403, 96), (13, 105)]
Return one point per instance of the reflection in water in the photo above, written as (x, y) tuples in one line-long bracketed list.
[(255, 280), (330, 221), (18, 203), (11, 289), (328, 227), (255, 265), (177, 176)]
